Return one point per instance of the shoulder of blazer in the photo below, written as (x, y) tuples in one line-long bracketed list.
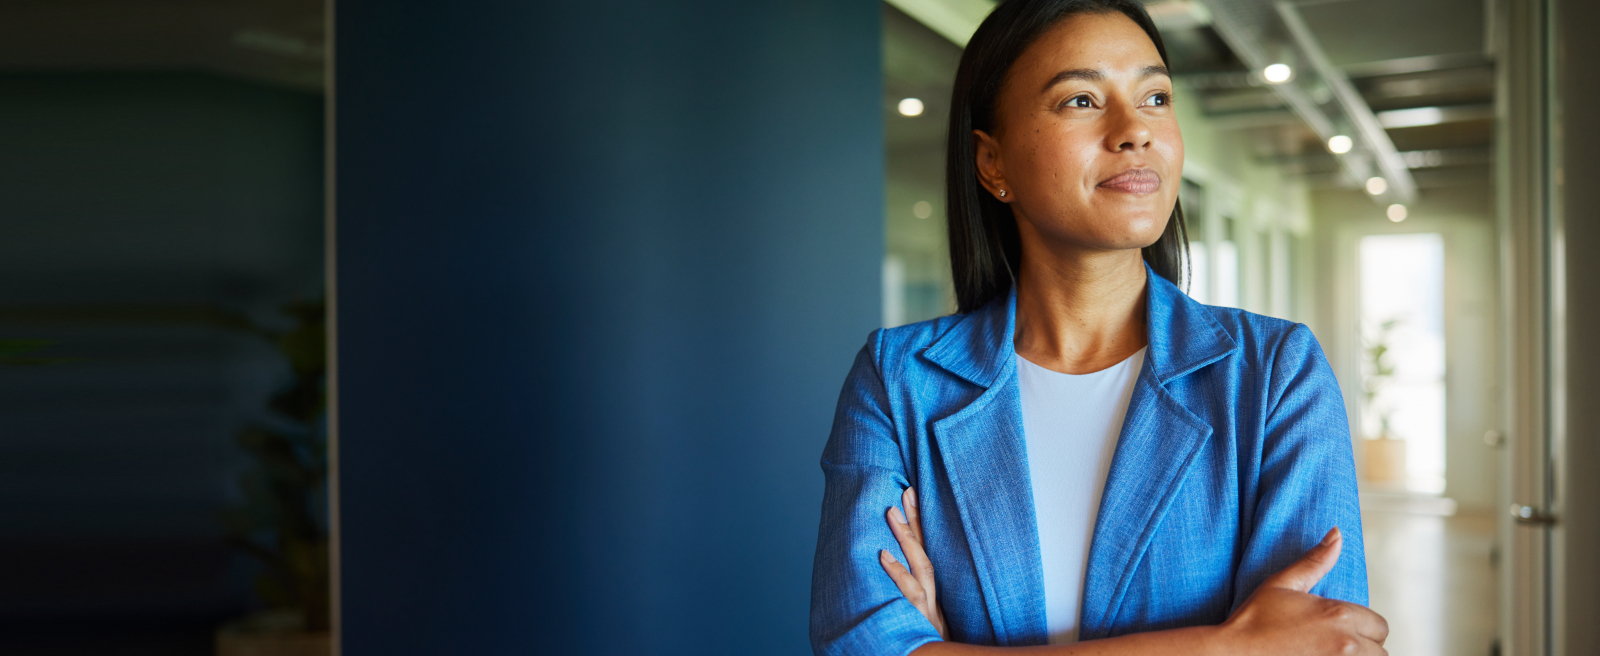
[(898, 350), (1266, 341)]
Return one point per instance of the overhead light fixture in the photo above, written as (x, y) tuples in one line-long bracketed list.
[(910, 107), (1277, 73), (1413, 117), (1397, 212), (1377, 186), (1340, 144)]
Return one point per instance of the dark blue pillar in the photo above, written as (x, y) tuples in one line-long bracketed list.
[(601, 269)]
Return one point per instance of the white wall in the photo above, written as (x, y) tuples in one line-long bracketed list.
[(1271, 211), (1463, 216)]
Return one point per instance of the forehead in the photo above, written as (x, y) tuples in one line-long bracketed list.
[(1108, 41)]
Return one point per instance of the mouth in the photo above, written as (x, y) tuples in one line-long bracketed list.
[(1134, 181)]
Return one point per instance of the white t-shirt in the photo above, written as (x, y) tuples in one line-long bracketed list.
[(1071, 424)]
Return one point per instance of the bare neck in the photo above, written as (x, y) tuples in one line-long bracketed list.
[(1080, 313)]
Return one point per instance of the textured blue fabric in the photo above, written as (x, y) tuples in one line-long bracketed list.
[(1234, 459)]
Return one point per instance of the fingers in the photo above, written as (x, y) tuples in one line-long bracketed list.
[(1368, 623), (908, 534), (916, 583), (913, 513), (1363, 627), (1311, 567), (921, 566), (909, 586)]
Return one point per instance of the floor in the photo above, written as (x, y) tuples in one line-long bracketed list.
[(1433, 578), (111, 597)]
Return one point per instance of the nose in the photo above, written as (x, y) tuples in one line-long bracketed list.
[(1126, 129)]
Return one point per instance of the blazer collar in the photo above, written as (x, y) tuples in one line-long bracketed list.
[(1183, 336), (985, 456)]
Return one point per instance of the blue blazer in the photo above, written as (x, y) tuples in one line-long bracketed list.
[(1234, 459)]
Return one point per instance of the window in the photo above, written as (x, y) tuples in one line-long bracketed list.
[(1402, 332), (1192, 197), (1227, 264)]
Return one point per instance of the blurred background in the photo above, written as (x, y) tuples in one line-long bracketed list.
[(590, 278), (163, 186)]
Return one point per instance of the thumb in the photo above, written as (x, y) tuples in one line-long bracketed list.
[(1311, 567)]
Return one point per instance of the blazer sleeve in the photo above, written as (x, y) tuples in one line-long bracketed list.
[(855, 606), (1307, 481)]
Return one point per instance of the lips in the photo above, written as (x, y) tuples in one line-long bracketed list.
[(1134, 181)]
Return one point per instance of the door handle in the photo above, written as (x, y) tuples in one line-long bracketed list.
[(1531, 516)]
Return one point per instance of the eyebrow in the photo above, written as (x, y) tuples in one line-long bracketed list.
[(1094, 75)]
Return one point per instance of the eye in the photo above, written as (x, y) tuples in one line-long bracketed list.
[(1079, 101), (1160, 99)]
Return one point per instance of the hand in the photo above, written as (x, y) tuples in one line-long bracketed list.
[(917, 584), (1282, 617)]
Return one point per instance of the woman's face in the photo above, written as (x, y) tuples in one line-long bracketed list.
[(1086, 145)]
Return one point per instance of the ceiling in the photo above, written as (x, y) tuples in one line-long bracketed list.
[(1398, 54), (1421, 65)]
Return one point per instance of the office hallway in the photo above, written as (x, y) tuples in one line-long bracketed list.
[(1433, 577)]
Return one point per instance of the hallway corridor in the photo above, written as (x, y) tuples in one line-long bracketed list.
[(1433, 577)]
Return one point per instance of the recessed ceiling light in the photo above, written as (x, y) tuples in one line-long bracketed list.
[(1277, 73), (911, 107), (1377, 186), (1340, 144), (1397, 212)]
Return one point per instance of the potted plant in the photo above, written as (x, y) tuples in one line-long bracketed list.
[(1385, 454), (283, 520)]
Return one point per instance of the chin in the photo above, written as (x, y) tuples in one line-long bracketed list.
[(1143, 232), (1125, 241)]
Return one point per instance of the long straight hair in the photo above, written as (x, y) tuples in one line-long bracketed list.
[(985, 247)]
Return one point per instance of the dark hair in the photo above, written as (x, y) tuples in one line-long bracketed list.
[(985, 248)]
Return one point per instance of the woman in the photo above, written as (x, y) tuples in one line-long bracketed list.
[(1083, 452)]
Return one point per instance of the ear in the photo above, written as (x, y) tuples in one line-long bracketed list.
[(991, 173)]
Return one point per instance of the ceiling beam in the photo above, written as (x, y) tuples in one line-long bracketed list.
[(1420, 116), (1270, 118), (955, 20), (1251, 29), (1323, 163), (1422, 64), (1355, 107)]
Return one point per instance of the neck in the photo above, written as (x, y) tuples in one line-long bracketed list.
[(1079, 313)]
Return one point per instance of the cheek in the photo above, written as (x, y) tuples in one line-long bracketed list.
[(1169, 146), (1170, 151), (1059, 159), (1071, 170)]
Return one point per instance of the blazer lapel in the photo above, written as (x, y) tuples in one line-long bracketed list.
[(1160, 440), (984, 454), (985, 457)]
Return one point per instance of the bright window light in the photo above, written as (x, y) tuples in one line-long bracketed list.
[(1226, 270), (1397, 212), (1340, 144), (1277, 73), (1402, 308), (911, 107), (1199, 272), (1377, 186)]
